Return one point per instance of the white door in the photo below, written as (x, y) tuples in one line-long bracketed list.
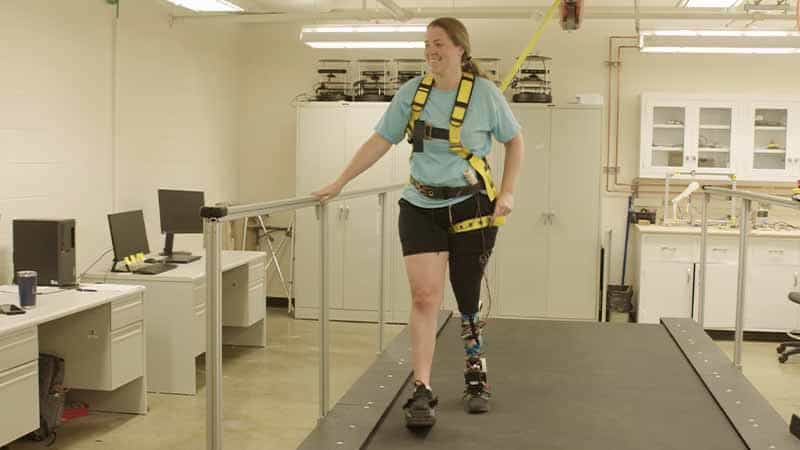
[(720, 299), (665, 290), (574, 249), (767, 306), (521, 251), (712, 133), (360, 261)]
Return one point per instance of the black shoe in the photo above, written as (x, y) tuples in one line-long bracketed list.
[(476, 393), (418, 409)]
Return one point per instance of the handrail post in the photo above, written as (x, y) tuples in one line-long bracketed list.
[(744, 225), (381, 267), (214, 438), (324, 341), (701, 303)]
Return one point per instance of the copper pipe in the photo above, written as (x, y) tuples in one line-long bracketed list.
[(619, 109), (611, 65)]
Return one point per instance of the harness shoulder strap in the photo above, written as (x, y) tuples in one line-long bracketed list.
[(418, 103)]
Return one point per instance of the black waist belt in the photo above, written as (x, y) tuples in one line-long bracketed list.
[(445, 192), (423, 131)]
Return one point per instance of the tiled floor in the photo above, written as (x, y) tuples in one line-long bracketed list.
[(271, 396)]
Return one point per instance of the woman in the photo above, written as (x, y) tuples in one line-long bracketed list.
[(446, 188)]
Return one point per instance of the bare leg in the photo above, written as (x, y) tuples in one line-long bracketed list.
[(426, 278)]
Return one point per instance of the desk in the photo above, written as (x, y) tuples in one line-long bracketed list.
[(99, 334), (176, 314)]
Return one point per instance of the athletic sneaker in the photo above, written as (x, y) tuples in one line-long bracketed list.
[(476, 392), (418, 409)]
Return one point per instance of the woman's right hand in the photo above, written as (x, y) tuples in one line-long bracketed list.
[(328, 192)]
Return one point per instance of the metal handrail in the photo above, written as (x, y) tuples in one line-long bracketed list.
[(744, 231), (213, 218)]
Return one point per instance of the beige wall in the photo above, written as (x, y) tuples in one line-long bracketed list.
[(276, 67), (176, 113)]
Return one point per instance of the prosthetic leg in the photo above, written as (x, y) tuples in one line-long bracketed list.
[(476, 391)]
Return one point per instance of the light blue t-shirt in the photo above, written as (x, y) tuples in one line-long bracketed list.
[(488, 114)]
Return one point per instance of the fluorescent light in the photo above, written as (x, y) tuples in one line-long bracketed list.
[(722, 33), (207, 5), (364, 36), (366, 29), (725, 50), (710, 3), (766, 42), (366, 44)]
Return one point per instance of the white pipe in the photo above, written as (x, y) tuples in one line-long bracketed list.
[(513, 13), (398, 13)]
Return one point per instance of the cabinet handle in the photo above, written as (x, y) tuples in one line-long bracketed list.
[(664, 248), (688, 275), (724, 250), (795, 279), (776, 252), (347, 212)]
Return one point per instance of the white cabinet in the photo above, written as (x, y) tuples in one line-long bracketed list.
[(328, 134), (667, 273), (665, 290), (752, 137), (109, 337), (686, 134), (547, 255), (19, 383)]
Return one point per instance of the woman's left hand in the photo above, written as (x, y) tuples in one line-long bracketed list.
[(503, 205)]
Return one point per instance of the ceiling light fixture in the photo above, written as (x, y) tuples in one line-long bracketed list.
[(364, 36), (207, 5), (770, 42)]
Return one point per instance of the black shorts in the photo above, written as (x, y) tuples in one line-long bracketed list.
[(427, 230)]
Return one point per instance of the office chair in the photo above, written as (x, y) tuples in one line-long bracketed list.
[(790, 347)]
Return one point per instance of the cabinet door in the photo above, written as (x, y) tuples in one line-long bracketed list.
[(574, 249), (664, 137), (360, 120), (359, 255), (712, 133), (665, 290), (767, 307), (768, 142), (720, 299), (320, 158), (320, 145), (521, 249)]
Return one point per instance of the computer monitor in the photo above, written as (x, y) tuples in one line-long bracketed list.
[(128, 234), (180, 213)]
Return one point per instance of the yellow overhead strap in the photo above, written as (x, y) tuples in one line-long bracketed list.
[(529, 48)]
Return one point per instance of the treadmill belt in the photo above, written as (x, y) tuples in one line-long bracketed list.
[(567, 385)]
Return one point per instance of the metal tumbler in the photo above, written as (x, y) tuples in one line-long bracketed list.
[(27, 280)]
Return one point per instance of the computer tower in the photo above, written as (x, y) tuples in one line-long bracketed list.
[(48, 247)]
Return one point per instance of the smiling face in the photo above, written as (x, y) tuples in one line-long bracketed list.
[(441, 54)]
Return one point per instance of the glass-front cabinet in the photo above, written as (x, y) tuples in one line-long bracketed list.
[(685, 135), (769, 139), (757, 139)]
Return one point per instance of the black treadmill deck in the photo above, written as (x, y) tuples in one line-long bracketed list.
[(562, 385)]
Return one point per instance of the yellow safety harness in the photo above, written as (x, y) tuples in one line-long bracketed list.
[(457, 116)]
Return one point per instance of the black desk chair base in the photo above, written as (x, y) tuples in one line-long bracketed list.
[(794, 426)]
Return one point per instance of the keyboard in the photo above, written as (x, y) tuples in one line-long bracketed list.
[(154, 269)]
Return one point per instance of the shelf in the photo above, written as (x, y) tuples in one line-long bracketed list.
[(667, 149), (714, 150), (770, 128), (665, 125), (767, 151), (715, 127)]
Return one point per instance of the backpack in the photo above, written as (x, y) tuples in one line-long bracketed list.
[(52, 395)]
